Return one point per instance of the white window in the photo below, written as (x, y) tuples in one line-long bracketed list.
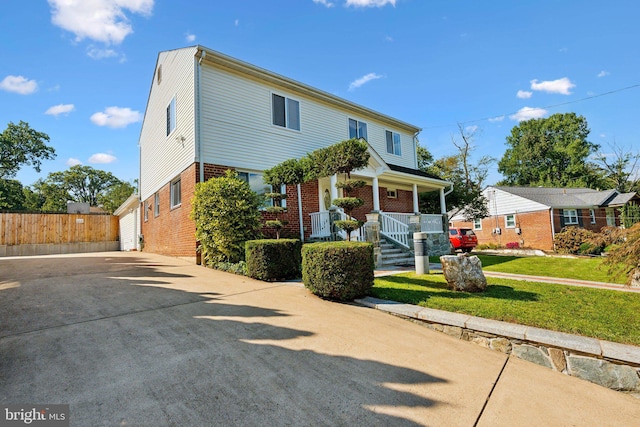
[(477, 224), (171, 116), (592, 214), (156, 204), (393, 143), (570, 216), (257, 185), (146, 211), (176, 193), (392, 194), (285, 111), (357, 129), (510, 221)]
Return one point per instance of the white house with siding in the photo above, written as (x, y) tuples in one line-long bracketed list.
[(129, 219), (208, 112)]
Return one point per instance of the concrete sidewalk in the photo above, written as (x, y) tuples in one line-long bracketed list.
[(140, 339)]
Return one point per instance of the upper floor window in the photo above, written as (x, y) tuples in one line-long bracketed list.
[(285, 111), (570, 216), (393, 143), (156, 204), (357, 129), (159, 74), (171, 116), (510, 221), (176, 193)]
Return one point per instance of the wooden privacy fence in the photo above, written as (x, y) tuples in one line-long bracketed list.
[(56, 229)]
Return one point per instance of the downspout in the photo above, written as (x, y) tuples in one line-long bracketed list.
[(300, 213), (553, 229), (199, 116), (415, 148)]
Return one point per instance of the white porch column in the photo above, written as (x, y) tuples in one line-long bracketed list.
[(334, 189), (376, 195), (416, 205), (443, 204)]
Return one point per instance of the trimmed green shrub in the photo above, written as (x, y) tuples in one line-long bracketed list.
[(239, 268), (338, 270), (226, 213), (269, 259)]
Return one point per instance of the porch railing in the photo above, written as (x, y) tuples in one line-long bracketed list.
[(393, 228), (320, 225)]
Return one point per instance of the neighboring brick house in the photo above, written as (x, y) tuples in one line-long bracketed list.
[(208, 112), (531, 216)]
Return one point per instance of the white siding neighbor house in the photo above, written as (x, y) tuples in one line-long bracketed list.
[(208, 112), (129, 218)]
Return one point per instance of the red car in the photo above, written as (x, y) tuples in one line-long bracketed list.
[(463, 238)]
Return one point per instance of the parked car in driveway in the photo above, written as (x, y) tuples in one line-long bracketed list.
[(463, 238)]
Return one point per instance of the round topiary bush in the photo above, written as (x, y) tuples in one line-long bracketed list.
[(338, 270), (270, 259)]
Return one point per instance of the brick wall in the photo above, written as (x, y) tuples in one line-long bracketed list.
[(171, 232), (535, 230)]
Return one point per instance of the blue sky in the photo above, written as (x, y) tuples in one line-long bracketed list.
[(80, 70)]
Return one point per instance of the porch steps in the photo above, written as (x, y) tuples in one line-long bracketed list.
[(392, 255)]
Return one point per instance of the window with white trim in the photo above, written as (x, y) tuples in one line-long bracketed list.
[(393, 143), (171, 116), (258, 186), (146, 210), (477, 224), (357, 129), (510, 221), (285, 112), (392, 194), (176, 193), (156, 204), (570, 216), (592, 215)]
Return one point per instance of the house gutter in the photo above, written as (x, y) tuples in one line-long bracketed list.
[(199, 116)]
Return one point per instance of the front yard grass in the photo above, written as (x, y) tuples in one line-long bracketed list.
[(598, 313), (567, 268)]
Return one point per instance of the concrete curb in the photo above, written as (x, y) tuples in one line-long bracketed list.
[(610, 350)]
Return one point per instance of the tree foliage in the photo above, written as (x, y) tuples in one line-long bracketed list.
[(625, 258), (620, 168), (468, 178), (550, 152), (22, 146), (83, 183), (343, 157), (11, 195), (44, 196), (226, 213), (115, 195)]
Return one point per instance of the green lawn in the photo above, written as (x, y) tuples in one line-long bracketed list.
[(598, 313), (568, 268)]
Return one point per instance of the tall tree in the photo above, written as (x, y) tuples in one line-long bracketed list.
[(84, 183), (621, 168), (11, 195), (468, 177), (43, 196), (19, 146), (115, 195), (550, 152)]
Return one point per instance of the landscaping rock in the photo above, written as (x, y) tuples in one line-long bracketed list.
[(607, 374), (502, 345), (463, 273), (532, 354), (557, 357)]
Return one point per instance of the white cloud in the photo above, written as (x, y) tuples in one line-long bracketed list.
[(496, 119), (98, 53), (561, 86), (370, 3), (101, 20), (73, 162), (56, 110), (523, 94), (116, 117), (471, 128), (527, 113), (389, 38), (362, 80), (19, 84), (102, 158), (324, 2), (236, 22), (190, 38), (603, 73)]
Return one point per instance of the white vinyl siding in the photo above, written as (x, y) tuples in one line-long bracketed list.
[(500, 202), (129, 229), (165, 157), (237, 125), (171, 116)]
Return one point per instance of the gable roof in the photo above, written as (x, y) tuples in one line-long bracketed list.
[(570, 197)]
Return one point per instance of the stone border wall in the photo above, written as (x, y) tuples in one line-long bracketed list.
[(57, 248), (609, 364)]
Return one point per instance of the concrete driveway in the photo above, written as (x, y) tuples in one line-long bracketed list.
[(136, 339)]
